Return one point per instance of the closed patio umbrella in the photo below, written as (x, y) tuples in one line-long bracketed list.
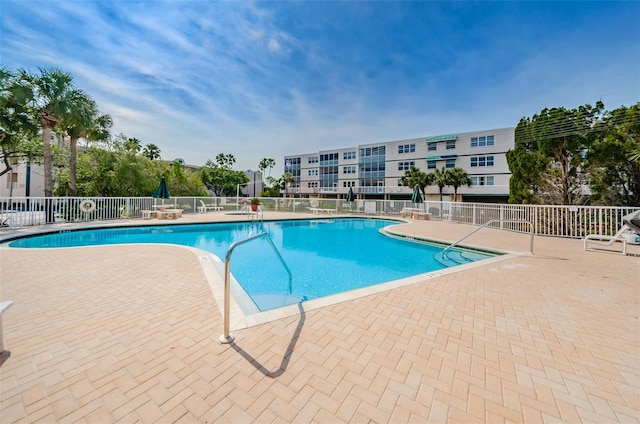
[(162, 192), (416, 197), (350, 196)]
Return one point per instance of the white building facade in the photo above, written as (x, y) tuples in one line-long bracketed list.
[(23, 180), (374, 170)]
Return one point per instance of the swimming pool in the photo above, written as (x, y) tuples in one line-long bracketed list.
[(325, 256)]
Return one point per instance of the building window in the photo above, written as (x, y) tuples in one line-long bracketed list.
[(482, 181), (373, 151), (349, 155), (313, 172), (329, 158), (312, 184), (482, 141), (432, 147), (347, 184), (313, 159), (450, 163), (451, 144), (349, 169), (12, 179), (431, 164), (407, 148), (405, 166), (481, 161)]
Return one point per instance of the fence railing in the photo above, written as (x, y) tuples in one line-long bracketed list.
[(561, 221)]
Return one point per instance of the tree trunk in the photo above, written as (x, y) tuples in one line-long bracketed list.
[(48, 173), (47, 160), (72, 166)]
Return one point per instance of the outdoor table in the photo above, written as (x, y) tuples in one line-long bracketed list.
[(162, 207)]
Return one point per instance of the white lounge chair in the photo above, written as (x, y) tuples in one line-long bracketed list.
[(3, 307), (602, 240), (204, 208)]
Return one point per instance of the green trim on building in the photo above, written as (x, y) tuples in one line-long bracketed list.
[(442, 138)]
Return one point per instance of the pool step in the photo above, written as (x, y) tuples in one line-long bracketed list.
[(456, 257)]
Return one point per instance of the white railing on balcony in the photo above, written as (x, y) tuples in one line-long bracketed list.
[(561, 221), (373, 190)]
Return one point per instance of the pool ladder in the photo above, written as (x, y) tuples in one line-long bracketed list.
[(492, 221), (255, 216), (226, 338)]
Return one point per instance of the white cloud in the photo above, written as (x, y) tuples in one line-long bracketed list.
[(269, 79)]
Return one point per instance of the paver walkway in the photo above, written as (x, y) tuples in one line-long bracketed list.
[(130, 334)]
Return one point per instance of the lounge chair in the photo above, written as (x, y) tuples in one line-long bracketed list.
[(3, 307), (204, 208), (602, 240)]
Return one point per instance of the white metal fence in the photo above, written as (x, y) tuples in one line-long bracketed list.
[(561, 221)]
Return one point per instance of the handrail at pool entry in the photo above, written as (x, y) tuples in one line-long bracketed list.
[(491, 221), (226, 338)]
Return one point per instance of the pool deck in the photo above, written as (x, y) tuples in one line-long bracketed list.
[(130, 334)]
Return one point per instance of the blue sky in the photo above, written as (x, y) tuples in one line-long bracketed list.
[(268, 79)]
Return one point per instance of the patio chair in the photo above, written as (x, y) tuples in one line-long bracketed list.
[(602, 240), (204, 207), (3, 307)]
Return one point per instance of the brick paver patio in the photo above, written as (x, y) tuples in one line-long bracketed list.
[(130, 334)]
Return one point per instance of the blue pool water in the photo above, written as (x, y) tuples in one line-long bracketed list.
[(325, 256)]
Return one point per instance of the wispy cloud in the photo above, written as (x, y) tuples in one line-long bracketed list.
[(263, 79)]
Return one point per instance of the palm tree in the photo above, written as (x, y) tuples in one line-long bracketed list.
[(415, 177), (151, 151), (133, 145), (287, 179), (16, 121), (52, 96), (457, 178), (634, 155), (441, 179), (83, 122), (225, 160), (267, 163)]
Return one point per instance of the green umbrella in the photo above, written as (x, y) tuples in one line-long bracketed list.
[(350, 196), (416, 197), (162, 192)]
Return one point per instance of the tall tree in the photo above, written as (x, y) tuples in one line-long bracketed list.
[(553, 141), (184, 182), (52, 96), (458, 177), (221, 179), (441, 179), (614, 171), (225, 160), (267, 163), (415, 177), (83, 121), (287, 180), (151, 151), (133, 145), (19, 128)]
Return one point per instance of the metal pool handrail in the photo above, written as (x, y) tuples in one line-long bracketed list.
[(491, 221), (225, 337)]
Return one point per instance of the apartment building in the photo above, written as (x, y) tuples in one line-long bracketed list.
[(374, 170), (23, 180)]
